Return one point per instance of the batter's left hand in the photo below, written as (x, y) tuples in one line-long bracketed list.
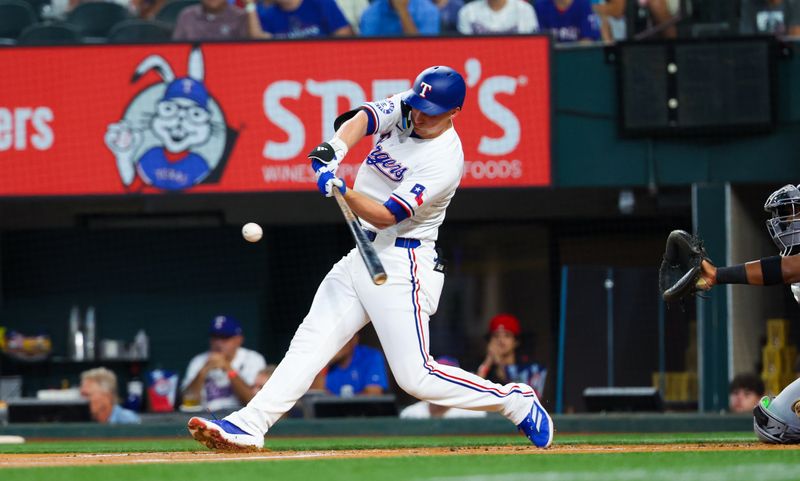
[(326, 182)]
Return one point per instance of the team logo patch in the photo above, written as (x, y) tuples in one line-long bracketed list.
[(417, 190), (385, 106)]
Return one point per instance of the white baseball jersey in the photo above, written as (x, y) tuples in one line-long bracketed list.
[(414, 178)]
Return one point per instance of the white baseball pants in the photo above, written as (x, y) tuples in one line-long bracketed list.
[(346, 301)]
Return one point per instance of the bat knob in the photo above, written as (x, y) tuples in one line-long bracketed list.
[(379, 279)]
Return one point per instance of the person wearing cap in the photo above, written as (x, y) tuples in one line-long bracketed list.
[(428, 410), (502, 364), (222, 377)]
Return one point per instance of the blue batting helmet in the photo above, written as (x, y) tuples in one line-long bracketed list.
[(436, 90)]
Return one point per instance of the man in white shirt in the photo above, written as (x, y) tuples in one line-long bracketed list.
[(482, 17), (221, 378)]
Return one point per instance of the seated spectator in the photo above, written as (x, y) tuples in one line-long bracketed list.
[(568, 20), (222, 377), (352, 10), (775, 17), (663, 12), (262, 377), (448, 14), (356, 370), (211, 20), (426, 410), (302, 19), (611, 16), (387, 18), (745, 392), (502, 365), (497, 17), (99, 387)]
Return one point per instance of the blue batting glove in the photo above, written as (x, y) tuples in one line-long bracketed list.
[(326, 182), (323, 159)]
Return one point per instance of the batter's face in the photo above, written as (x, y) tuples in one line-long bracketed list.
[(431, 126)]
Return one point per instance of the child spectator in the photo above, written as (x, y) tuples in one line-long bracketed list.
[(303, 19)]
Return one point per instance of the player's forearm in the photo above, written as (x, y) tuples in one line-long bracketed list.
[(766, 271), (369, 210), (354, 129)]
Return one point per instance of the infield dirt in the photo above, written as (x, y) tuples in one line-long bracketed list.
[(84, 459)]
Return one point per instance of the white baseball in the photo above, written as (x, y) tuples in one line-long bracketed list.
[(252, 232)]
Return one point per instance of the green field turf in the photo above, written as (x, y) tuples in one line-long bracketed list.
[(753, 465), (674, 466)]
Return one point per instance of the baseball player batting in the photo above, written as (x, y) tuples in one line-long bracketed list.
[(775, 420), (401, 193)]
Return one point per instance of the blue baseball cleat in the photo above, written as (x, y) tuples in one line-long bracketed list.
[(537, 426), (222, 435)]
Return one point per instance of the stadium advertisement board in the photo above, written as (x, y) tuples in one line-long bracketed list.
[(240, 117)]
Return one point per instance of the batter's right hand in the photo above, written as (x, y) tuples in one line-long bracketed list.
[(326, 182)]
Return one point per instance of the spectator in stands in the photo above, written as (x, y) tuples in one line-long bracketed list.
[(502, 363), (352, 10), (222, 377), (262, 377), (611, 16), (776, 17), (99, 387), (663, 12), (426, 410), (211, 20), (400, 17), (356, 370), (301, 19), (481, 17), (448, 15), (568, 20), (745, 392)]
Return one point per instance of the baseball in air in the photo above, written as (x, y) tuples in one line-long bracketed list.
[(252, 232)]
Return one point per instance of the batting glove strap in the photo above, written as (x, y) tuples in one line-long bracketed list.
[(327, 155)]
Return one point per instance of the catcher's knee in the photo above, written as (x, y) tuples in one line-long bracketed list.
[(771, 429)]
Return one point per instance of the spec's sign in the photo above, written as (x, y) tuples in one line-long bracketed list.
[(100, 120)]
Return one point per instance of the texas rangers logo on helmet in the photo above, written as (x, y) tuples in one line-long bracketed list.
[(425, 88)]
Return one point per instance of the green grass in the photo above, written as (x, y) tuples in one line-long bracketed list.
[(313, 444), (673, 466)]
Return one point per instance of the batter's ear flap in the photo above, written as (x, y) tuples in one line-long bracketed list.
[(344, 118), (405, 115)]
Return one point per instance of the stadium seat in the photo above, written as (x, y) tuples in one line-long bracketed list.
[(95, 19), (15, 16), (49, 34), (133, 31), (170, 11)]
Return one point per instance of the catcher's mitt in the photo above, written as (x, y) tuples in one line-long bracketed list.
[(680, 268)]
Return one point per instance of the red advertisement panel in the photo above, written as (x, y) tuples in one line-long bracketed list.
[(100, 120)]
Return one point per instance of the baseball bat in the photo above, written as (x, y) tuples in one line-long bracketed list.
[(368, 254)]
